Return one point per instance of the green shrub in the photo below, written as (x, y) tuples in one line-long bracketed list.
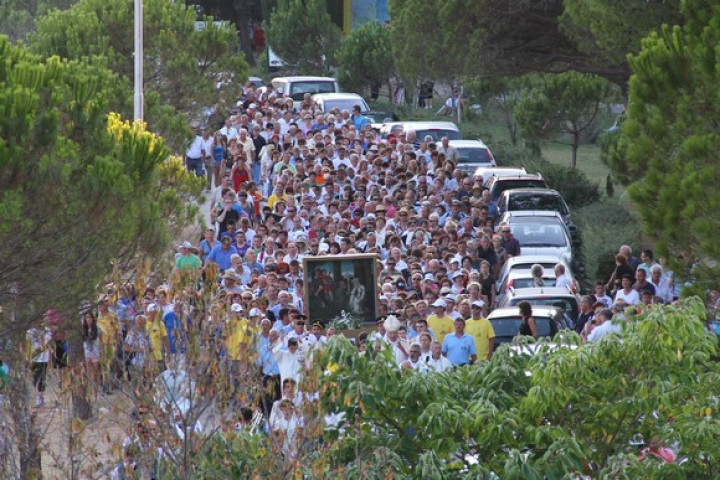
[(604, 227), (573, 184)]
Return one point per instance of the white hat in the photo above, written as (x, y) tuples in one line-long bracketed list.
[(152, 307), (185, 245), (458, 274), (236, 308), (454, 260), (392, 324), (439, 303), (430, 276), (450, 297), (255, 312), (478, 303)]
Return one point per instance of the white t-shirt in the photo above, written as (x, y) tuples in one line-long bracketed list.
[(631, 298), (602, 330)]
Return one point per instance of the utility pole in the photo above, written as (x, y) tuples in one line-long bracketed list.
[(138, 97)]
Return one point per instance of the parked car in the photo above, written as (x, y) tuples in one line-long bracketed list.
[(525, 262), (506, 323), (497, 184), (297, 87), (483, 174), (562, 298), (541, 232), (341, 101), (436, 130), (471, 154), (521, 199)]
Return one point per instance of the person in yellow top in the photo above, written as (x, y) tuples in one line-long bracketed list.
[(158, 336), (481, 330), (109, 324), (238, 333), (440, 322)]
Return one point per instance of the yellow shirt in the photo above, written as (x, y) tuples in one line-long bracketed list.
[(441, 326), (109, 324), (239, 334), (482, 331), (156, 330)]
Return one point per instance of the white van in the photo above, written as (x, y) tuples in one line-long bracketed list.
[(297, 87)]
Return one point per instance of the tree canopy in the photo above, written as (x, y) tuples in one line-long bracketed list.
[(302, 34), (569, 104), (365, 57), (446, 38), (668, 143), (80, 188), (182, 65)]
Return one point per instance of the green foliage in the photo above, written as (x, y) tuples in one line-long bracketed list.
[(614, 28), (17, 17), (365, 57), (563, 104), (541, 416), (667, 150), (573, 184), (302, 33), (79, 186), (181, 67), (604, 226)]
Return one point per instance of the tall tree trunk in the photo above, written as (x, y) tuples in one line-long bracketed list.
[(575, 146), (79, 385), (243, 16), (26, 435)]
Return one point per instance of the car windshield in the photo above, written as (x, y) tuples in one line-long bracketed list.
[(540, 235), (528, 282), (565, 303), (536, 202), (510, 326), (347, 104), (437, 134), (474, 155), (299, 89), (507, 184)]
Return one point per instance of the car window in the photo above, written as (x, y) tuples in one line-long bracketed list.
[(501, 185), (566, 303), (344, 105), (299, 89), (510, 326), (536, 202), (540, 235), (474, 155), (437, 134), (528, 282)]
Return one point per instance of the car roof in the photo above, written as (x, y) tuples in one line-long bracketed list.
[(532, 191), (498, 170), (303, 79), (467, 143), (534, 214), (505, 312), (543, 292), (338, 96), (527, 273), (424, 125), (517, 176), (530, 259)]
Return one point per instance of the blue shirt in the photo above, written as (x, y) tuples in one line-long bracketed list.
[(265, 357), (458, 350), (359, 120), (222, 257), (176, 339)]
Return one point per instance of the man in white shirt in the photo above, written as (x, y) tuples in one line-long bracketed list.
[(662, 288), (562, 279), (415, 362), (289, 361), (437, 361), (229, 130), (206, 144), (194, 155), (604, 325)]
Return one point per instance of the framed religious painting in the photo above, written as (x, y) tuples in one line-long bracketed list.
[(341, 290)]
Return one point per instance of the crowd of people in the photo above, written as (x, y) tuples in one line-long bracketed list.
[(289, 183)]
